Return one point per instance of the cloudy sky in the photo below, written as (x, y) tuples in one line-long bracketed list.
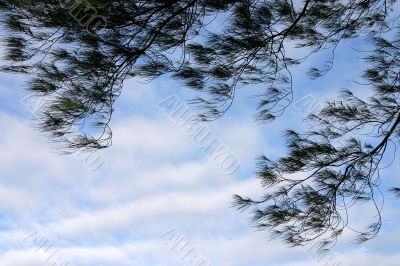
[(155, 186)]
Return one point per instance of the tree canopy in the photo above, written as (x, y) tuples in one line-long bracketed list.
[(77, 54)]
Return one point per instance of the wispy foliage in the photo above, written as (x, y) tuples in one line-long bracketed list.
[(337, 165), (82, 71)]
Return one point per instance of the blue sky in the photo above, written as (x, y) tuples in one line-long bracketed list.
[(154, 180)]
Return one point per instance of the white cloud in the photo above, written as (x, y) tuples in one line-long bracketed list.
[(154, 179)]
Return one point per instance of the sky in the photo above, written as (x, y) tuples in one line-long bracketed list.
[(157, 199)]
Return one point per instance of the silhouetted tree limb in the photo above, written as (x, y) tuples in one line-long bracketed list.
[(80, 70), (329, 170)]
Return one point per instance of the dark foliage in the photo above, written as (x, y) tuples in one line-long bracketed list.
[(79, 67), (337, 165)]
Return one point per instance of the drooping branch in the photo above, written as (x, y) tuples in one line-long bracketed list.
[(328, 170), (142, 39)]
